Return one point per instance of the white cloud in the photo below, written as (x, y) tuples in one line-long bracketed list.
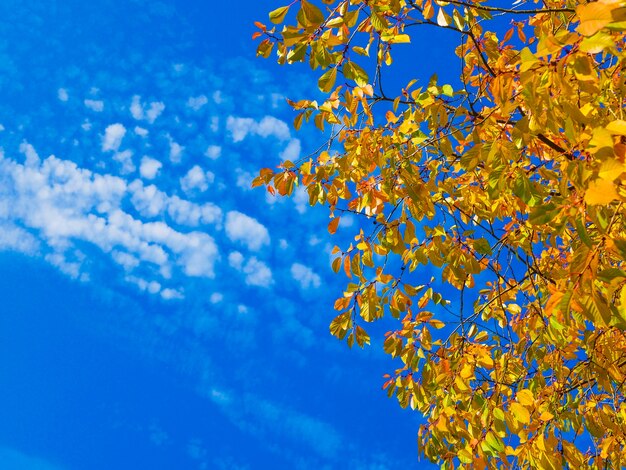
[(172, 294), (62, 94), (149, 167), (155, 110), (301, 199), (305, 276), (136, 108), (244, 180), (270, 126), (153, 287), (235, 260), (70, 268), (215, 123), (95, 105), (240, 128), (13, 238), (113, 136), (176, 151), (213, 152), (257, 273), (126, 260), (197, 102), (32, 158), (141, 112), (140, 131), (63, 204), (292, 151), (125, 158), (244, 229), (196, 178), (151, 202), (216, 298)]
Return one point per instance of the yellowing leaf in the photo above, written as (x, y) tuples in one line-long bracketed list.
[(378, 21), (354, 72), (278, 15), (600, 192), (465, 456), (336, 265), (494, 441), (597, 43), (312, 14), (327, 80)]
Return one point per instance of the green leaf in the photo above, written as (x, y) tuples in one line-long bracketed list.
[(494, 442), (278, 16), (611, 273), (543, 214), (354, 72), (581, 230), (482, 246), (620, 244)]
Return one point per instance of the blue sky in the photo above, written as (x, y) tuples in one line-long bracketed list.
[(157, 312)]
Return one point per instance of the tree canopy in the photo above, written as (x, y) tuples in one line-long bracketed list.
[(510, 184)]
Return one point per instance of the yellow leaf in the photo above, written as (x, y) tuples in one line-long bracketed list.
[(600, 192), (611, 169), (520, 413), (593, 17), (525, 397), (278, 15), (617, 127), (596, 15), (597, 43), (466, 371), (400, 38)]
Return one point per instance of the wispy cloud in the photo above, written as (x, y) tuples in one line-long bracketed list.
[(15, 460), (274, 423)]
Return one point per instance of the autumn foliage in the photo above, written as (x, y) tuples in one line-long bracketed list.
[(510, 184)]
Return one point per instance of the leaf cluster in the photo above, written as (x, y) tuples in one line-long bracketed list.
[(510, 185)]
